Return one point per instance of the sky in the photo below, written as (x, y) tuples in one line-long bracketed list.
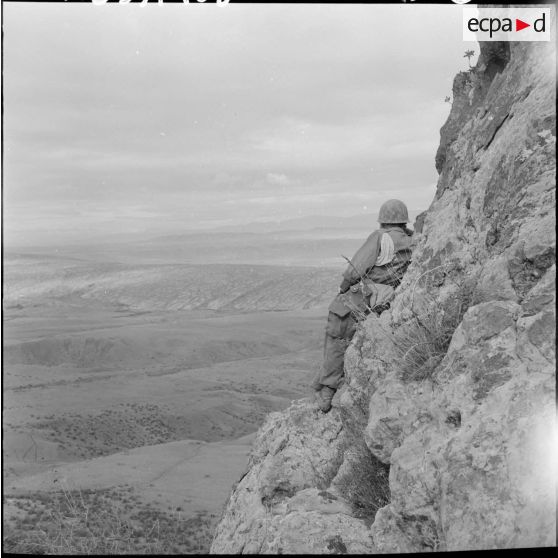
[(147, 120)]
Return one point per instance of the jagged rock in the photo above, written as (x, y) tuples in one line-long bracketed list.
[(453, 388), (282, 504), (495, 282), (469, 475)]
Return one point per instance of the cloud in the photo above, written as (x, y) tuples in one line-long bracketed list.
[(191, 110), (277, 179)]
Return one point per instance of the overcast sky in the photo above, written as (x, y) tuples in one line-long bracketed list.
[(156, 119)]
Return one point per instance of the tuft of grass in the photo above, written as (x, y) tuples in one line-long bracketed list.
[(364, 483), (422, 341), (366, 488)]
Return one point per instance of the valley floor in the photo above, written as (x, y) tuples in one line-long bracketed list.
[(126, 410)]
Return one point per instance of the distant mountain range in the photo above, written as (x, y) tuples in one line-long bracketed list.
[(361, 221), (318, 241), (325, 226), (305, 224)]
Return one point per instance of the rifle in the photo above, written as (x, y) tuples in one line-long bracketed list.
[(360, 278)]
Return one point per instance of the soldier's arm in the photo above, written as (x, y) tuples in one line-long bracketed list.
[(364, 259)]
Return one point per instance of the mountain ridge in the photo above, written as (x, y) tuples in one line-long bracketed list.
[(453, 388)]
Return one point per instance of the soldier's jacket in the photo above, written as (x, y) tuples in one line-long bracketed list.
[(366, 256), (364, 267)]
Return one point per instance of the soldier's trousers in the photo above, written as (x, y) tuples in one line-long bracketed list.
[(339, 332)]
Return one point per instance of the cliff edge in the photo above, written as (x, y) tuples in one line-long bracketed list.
[(443, 437)]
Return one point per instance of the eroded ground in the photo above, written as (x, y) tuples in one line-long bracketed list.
[(130, 406)]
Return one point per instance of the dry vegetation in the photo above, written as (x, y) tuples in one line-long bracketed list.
[(422, 341), (367, 487), (365, 482), (135, 425), (109, 521)]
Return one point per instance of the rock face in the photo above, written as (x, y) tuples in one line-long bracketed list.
[(288, 501), (453, 389)]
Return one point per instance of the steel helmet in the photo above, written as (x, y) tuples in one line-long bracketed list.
[(393, 211)]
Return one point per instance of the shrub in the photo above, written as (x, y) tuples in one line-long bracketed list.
[(364, 481), (366, 488), (77, 524), (422, 341)]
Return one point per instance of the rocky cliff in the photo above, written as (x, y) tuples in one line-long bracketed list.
[(443, 437)]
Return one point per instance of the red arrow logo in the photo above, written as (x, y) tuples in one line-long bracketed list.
[(519, 25)]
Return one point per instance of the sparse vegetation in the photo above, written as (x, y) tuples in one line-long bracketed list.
[(133, 425), (365, 481), (100, 522), (469, 54), (422, 341), (366, 488)]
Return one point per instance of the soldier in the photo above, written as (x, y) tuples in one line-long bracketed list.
[(368, 284)]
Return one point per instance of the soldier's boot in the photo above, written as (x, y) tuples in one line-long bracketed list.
[(324, 398)]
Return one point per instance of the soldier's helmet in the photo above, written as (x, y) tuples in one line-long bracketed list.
[(393, 211)]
